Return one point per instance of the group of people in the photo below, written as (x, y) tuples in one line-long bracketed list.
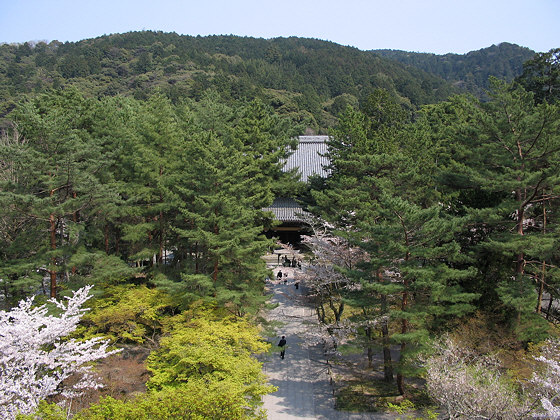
[(280, 276), (286, 262)]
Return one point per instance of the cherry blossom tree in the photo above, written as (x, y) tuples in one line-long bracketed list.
[(36, 359), (467, 385), (328, 276), (324, 274), (547, 380)]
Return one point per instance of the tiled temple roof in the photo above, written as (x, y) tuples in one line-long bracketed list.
[(308, 157), (309, 161), (285, 210)]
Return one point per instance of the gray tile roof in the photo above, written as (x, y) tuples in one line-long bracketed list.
[(285, 210), (308, 160), (308, 157)]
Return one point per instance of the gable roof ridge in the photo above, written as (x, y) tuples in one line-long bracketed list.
[(313, 139)]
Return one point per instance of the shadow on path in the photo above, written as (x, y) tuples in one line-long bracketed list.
[(304, 390)]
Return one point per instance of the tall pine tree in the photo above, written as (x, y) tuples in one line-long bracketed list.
[(382, 198)]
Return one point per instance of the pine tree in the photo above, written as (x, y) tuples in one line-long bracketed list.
[(227, 178), (55, 184), (151, 162), (383, 200), (508, 161)]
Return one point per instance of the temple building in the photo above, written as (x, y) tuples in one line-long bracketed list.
[(309, 160)]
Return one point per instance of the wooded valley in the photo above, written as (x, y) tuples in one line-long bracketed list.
[(140, 163)]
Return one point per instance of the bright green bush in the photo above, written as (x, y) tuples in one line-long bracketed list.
[(204, 369), (128, 314), (195, 400), (218, 351)]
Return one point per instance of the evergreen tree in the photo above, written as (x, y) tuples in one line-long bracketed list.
[(229, 176), (221, 208), (509, 155), (383, 200), (18, 230), (150, 165), (55, 185), (541, 75)]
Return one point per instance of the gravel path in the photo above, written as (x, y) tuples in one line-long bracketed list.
[(304, 390)]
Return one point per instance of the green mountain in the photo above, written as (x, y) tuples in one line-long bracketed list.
[(308, 79), (469, 71)]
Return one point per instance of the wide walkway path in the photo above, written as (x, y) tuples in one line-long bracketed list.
[(304, 390)]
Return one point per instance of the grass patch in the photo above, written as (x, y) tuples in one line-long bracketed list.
[(378, 396), (370, 396)]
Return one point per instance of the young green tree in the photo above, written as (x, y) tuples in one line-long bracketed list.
[(18, 230), (228, 167), (151, 163), (222, 210), (113, 128)]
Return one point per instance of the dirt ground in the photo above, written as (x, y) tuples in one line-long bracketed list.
[(124, 375)]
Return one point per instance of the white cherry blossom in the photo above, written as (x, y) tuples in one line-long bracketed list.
[(35, 357)]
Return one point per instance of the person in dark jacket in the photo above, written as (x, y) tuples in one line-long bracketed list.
[(282, 345)]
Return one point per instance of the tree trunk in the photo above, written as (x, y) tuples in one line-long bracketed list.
[(52, 271), (387, 361), (404, 305), (369, 347), (75, 218), (117, 243), (337, 312), (541, 287), (216, 232), (75, 214), (404, 330), (520, 264), (543, 271), (106, 238), (549, 308), (320, 313), (196, 267), (161, 239), (161, 235), (150, 240), (215, 272)]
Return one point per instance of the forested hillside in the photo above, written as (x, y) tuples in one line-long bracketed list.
[(307, 79), (469, 71), (134, 170)]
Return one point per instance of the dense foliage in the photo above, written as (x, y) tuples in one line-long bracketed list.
[(90, 186), (144, 170), (541, 75), (159, 205), (455, 211), (307, 79), (470, 71)]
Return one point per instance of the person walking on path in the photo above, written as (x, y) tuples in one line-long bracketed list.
[(282, 345)]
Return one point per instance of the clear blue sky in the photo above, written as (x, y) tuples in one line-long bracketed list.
[(436, 26)]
